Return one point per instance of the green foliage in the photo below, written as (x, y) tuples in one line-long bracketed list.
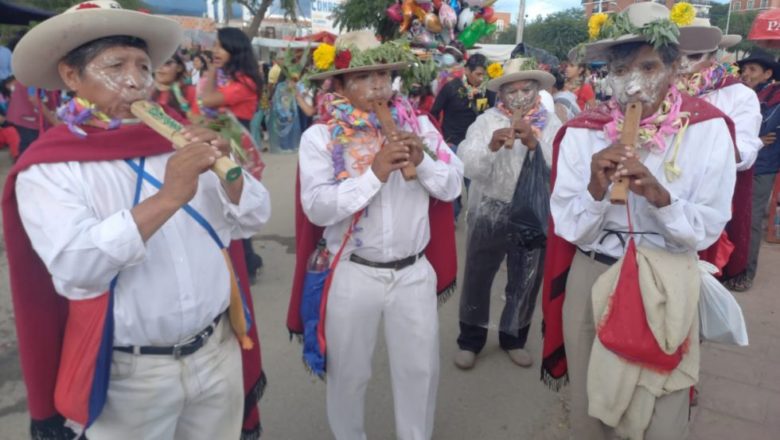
[(740, 24), (354, 15), (420, 72), (396, 51), (658, 33), (557, 33)]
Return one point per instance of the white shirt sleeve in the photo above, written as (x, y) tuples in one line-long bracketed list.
[(252, 211), (442, 180), (474, 151), (81, 251), (746, 113), (695, 220), (578, 218), (325, 201)]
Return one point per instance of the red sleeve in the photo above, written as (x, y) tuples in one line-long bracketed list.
[(191, 95), (586, 94), (234, 93)]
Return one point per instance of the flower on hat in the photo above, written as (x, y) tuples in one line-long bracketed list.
[(596, 23), (343, 58), (683, 14), (87, 6), (495, 70), (324, 56)]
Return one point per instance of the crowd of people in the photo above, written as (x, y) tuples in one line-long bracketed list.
[(130, 261)]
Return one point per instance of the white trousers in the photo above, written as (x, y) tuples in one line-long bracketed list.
[(200, 396), (359, 297)]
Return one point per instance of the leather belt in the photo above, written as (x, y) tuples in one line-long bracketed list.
[(186, 348), (601, 258), (395, 265)]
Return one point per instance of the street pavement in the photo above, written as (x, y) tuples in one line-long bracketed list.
[(739, 394)]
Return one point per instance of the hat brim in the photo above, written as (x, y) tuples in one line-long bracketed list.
[(331, 73), (695, 39), (730, 40), (36, 57), (544, 79), (766, 64), (699, 39)]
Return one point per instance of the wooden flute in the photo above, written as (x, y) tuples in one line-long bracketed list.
[(619, 193), (385, 118), (155, 117)]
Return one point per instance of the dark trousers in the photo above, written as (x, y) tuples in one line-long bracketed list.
[(762, 191), (26, 137), (489, 242)]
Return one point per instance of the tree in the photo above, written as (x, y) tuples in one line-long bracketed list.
[(258, 9), (508, 36), (557, 33), (740, 24), (354, 15)]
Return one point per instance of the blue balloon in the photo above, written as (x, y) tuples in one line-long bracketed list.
[(455, 5)]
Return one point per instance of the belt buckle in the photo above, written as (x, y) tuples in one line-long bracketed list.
[(177, 350)]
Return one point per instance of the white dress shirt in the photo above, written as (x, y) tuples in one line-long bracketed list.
[(77, 215), (701, 196), (394, 224), (740, 103), (494, 174)]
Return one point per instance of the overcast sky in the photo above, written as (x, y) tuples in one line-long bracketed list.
[(534, 8)]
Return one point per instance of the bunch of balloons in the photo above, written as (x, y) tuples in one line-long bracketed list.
[(432, 22)]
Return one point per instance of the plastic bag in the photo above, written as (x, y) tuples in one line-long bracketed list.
[(530, 208), (720, 316)]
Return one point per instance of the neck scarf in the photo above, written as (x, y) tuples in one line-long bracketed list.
[(701, 83), (667, 120), (471, 93), (79, 111), (536, 116), (359, 134)]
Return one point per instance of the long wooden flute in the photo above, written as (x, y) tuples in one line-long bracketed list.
[(155, 117), (517, 116), (628, 137), (388, 128)]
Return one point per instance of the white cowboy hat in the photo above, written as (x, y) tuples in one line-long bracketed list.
[(641, 14), (38, 54), (514, 70), (708, 36), (357, 41), (730, 40)]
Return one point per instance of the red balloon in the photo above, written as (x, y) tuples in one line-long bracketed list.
[(492, 19), (395, 13), (487, 14)]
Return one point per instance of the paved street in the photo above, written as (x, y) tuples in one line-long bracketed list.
[(740, 389)]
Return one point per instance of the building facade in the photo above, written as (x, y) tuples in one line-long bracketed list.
[(751, 5)]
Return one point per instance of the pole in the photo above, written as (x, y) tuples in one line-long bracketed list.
[(728, 17), (520, 23), (600, 10)]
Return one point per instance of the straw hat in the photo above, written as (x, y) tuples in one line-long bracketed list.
[(709, 37), (638, 16), (517, 69), (354, 46), (38, 54)]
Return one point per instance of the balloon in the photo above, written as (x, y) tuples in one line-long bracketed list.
[(475, 3), (410, 9), (424, 39), (476, 30), (492, 19), (487, 14), (395, 14), (448, 19), (426, 5), (465, 19), (432, 23), (436, 4), (455, 6)]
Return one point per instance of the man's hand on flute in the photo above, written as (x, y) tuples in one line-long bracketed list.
[(394, 155), (411, 140), (603, 166), (642, 182), (197, 134)]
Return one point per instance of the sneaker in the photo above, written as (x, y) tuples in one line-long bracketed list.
[(520, 357), (465, 359)]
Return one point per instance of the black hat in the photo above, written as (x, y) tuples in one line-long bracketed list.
[(764, 59)]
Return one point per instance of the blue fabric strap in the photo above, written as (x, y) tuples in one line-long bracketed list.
[(142, 174)]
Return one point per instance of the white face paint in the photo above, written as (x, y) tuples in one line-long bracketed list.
[(692, 63), (520, 95), (364, 88)]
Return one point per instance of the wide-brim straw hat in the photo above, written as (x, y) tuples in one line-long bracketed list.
[(38, 54), (515, 70), (730, 40), (641, 14), (708, 37), (358, 41)]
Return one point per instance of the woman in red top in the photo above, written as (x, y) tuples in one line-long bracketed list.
[(233, 82), (171, 90), (575, 82)]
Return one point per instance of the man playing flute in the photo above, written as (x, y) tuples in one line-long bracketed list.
[(681, 177), (133, 238)]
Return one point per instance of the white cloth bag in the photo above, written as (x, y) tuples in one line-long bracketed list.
[(720, 316)]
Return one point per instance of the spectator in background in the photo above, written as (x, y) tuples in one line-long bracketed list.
[(565, 101), (171, 88), (199, 66), (576, 75), (233, 84), (5, 63), (421, 97)]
